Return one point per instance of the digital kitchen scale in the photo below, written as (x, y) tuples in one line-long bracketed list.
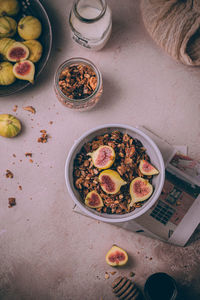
[(176, 214)]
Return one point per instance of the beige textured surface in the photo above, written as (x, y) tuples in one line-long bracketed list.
[(46, 251)]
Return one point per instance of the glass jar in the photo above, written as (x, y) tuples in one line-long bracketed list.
[(91, 23), (78, 104)]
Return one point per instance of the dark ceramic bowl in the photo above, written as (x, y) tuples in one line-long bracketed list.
[(33, 8)]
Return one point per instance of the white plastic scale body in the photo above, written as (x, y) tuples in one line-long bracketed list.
[(176, 214)]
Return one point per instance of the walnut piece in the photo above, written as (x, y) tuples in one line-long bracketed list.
[(11, 202), (9, 174), (28, 154), (30, 109), (44, 137)]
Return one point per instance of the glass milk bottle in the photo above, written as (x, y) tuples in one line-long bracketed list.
[(91, 23)]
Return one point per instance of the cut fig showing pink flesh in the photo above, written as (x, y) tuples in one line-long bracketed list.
[(93, 200), (116, 256), (110, 181), (17, 52), (147, 169), (24, 70), (108, 184), (140, 190), (103, 157)]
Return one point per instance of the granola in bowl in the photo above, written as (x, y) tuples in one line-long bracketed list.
[(123, 176), (73, 161)]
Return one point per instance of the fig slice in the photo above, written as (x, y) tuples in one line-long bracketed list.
[(103, 157), (147, 169), (24, 70), (116, 256), (93, 200), (140, 190), (111, 181), (17, 52)]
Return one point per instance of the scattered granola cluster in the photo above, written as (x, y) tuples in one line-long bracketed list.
[(11, 202), (28, 154), (129, 152), (9, 174), (78, 81), (44, 137)]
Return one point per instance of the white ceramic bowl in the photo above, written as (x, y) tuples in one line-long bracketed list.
[(151, 149)]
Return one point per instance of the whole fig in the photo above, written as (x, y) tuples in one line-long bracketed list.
[(6, 73), (35, 50), (29, 28), (10, 126), (8, 27), (9, 7), (5, 43)]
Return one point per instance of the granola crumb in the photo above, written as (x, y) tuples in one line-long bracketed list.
[(29, 154), (9, 174), (31, 161), (44, 137), (15, 108), (131, 274), (51, 122), (20, 187), (113, 273), (11, 202), (14, 155), (107, 276), (30, 109)]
